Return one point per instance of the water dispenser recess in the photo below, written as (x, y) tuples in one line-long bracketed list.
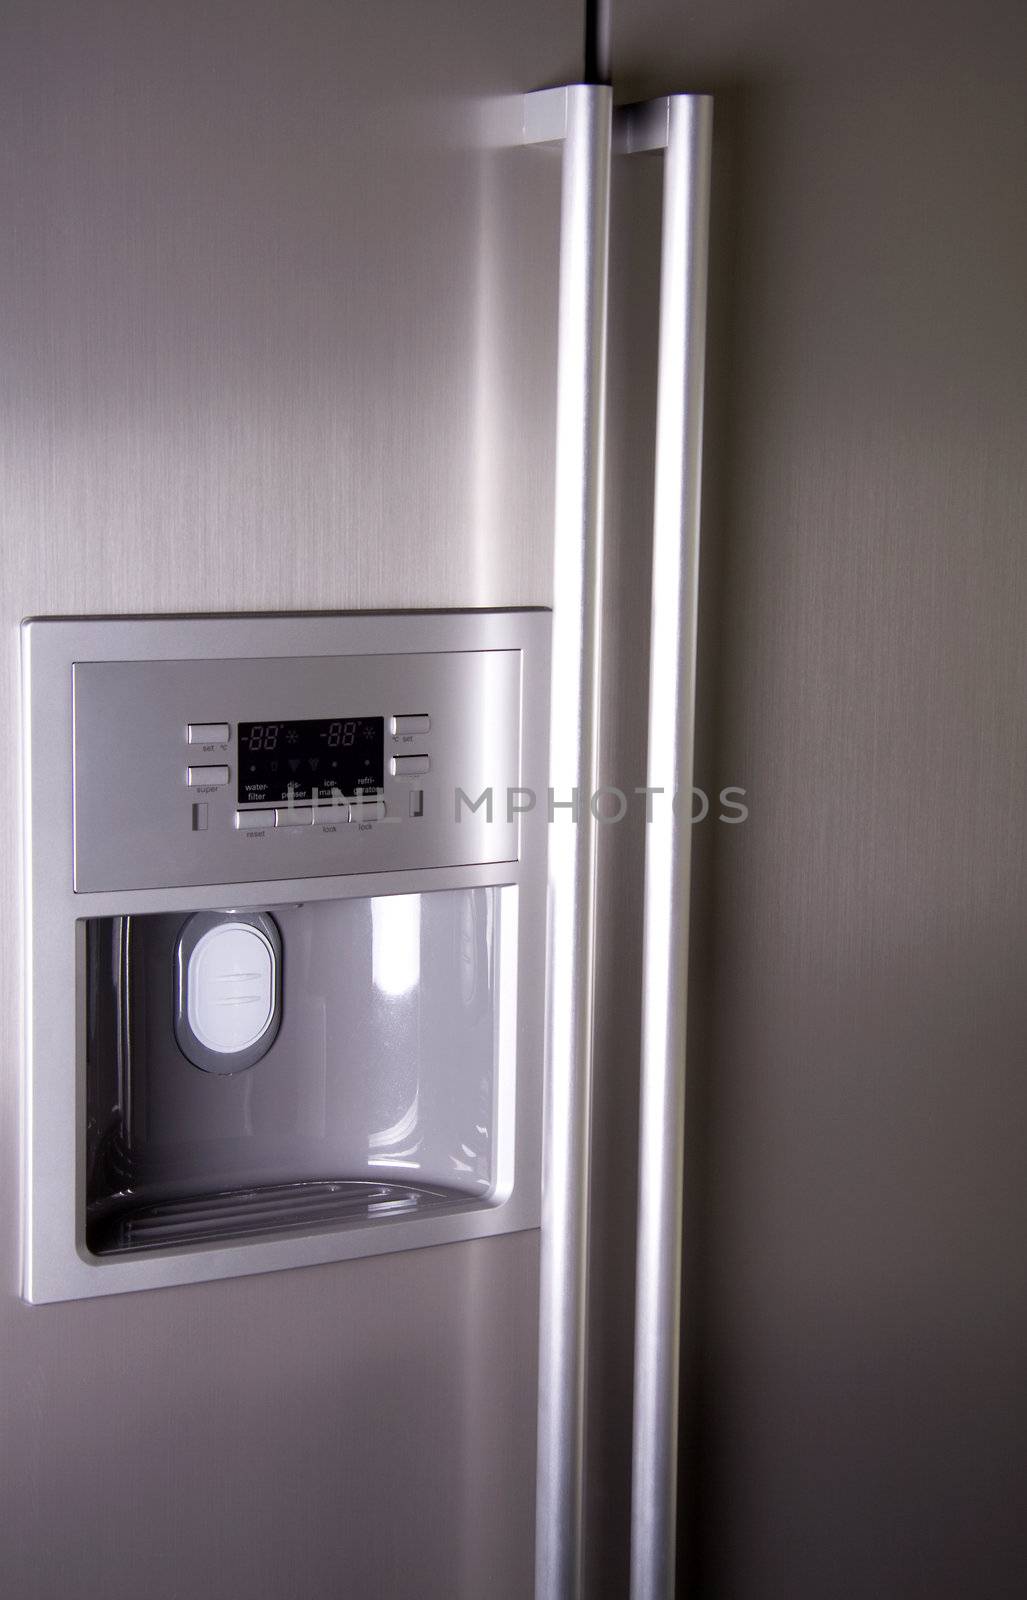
[(284, 922)]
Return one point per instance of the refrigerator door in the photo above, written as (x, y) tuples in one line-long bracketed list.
[(279, 336), (854, 1415)]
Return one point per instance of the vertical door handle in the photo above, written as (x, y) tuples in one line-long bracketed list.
[(581, 117), (680, 125)]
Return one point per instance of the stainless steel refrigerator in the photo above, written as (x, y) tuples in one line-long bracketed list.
[(280, 292)]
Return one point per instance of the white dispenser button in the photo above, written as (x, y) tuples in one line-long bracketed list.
[(230, 988), (208, 732), (410, 766), (411, 724), (198, 775), (255, 819)]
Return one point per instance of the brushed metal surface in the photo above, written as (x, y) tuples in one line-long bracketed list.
[(585, 114), (673, 643), (132, 812), (854, 1412), (278, 333)]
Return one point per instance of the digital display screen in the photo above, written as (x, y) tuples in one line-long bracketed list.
[(281, 762)]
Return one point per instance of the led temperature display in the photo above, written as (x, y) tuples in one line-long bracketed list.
[(310, 760)]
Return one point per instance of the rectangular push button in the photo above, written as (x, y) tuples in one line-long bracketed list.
[(367, 811), (412, 724), (255, 819), (199, 775), (295, 816), (330, 812), (208, 732), (410, 766)]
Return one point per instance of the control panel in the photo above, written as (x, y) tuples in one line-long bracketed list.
[(226, 771)]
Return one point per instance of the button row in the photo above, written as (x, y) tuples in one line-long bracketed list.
[(220, 732), (307, 816), (402, 767)]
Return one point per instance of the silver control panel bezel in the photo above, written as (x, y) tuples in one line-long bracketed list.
[(56, 1263), (140, 786)]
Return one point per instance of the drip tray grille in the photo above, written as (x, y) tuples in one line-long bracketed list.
[(129, 1222)]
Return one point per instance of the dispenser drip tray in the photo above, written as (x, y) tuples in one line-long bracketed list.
[(123, 1223)]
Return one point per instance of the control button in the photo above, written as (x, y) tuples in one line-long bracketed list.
[(208, 732), (418, 724), (207, 775), (200, 809), (417, 802), (330, 812), (409, 766), (295, 816), (255, 819), (367, 811)]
